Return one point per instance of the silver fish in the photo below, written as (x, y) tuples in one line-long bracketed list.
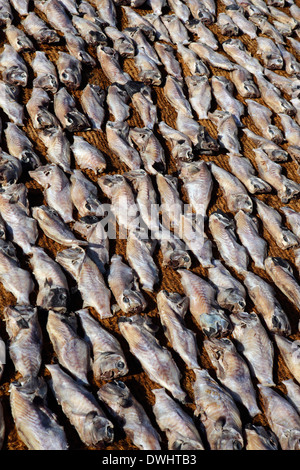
[(293, 218), (281, 272), (180, 429), (150, 149), (203, 305), (227, 131), (14, 279), (72, 351), (21, 227), (242, 168), (253, 342), (155, 20), (176, 29), (236, 14), (45, 71), (181, 145), (295, 101), (69, 70), (76, 47), (236, 49), (108, 360), (289, 350), (198, 183), (28, 399), (107, 11), (123, 44), (58, 147), (179, 9), (148, 71), (81, 408), (243, 82), (271, 172), (282, 17), (92, 229), (293, 393), (88, 156), (53, 293), (200, 12), (233, 254), (130, 415), (123, 204), (172, 308), (141, 98), (203, 34), (139, 333), (167, 56), (295, 45), (283, 28), (231, 295), (57, 17), (171, 204), (10, 169), (91, 284), (218, 413), (214, 58), (270, 54), (267, 28), (125, 287), (117, 133), (291, 130), (200, 95), (192, 61), (282, 417), (260, 438), (84, 195), (56, 192), (202, 141), (141, 43), (174, 251), (9, 104), (233, 373), (6, 14), (117, 100), (25, 339), (262, 118), (90, 31), (54, 227), (273, 223), (139, 253), (235, 193), (223, 89), (274, 151), (226, 25), (21, 147), (247, 228), (66, 111), (39, 30), (109, 61), (263, 296), (70, 6), (135, 19), (37, 108), (18, 39), (273, 98)]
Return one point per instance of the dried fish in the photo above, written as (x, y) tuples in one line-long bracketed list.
[(25, 339), (37, 108), (123, 44), (233, 373), (134, 19), (281, 272), (248, 231), (222, 89), (291, 130), (15, 279), (71, 350), (141, 98), (200, 95), (6, 14), (90, 31), (69, 70), (118, 139), (260, 438), (236, 14), (227, 131), (218, 413), (179, 427), (176, 29), (9, 104), (166, 54), (76, 47), (267, 28), (10, 169), (66, 111), (269, 53), (45, 71), (117, 100), (192, 61), (236, 49), (57, 16), (242, 168), (171, 204), (139, 333), (262, 118), (200, 12), (21, 147), (202, 33), (39, 30), (150, 149), (155, 20), (109, 61), (273, 98), (58, 147), (222, 228), (84, 195), (107, 11), (212, 57), (28, 399), (274, 152), (141, 43), (172, 308), (231, 295), (226, 25), (81, 408), (181, 145), (293, 393), (124, 285), (289, 350), (87, 156), (282, 417), (18, 39), (130, 415), (243, 82), (149, 72), (293, 218), (174, 251), (203, 305)]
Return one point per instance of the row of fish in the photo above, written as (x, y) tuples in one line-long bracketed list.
[(217, 304)]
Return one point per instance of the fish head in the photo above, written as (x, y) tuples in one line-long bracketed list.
[(8, 249), (109, 365), (98, 429), (176, 259), (43, 174), (47, 82), (116, 392), (215, 323), (133, 302), (111, 183), (76, 121), (15, 76), (177, 302), (71, 259)]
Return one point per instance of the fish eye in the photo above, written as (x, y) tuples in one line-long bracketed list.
[(109, 431), (121, 384), (120, 365), (125, 299), (64, 75)]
